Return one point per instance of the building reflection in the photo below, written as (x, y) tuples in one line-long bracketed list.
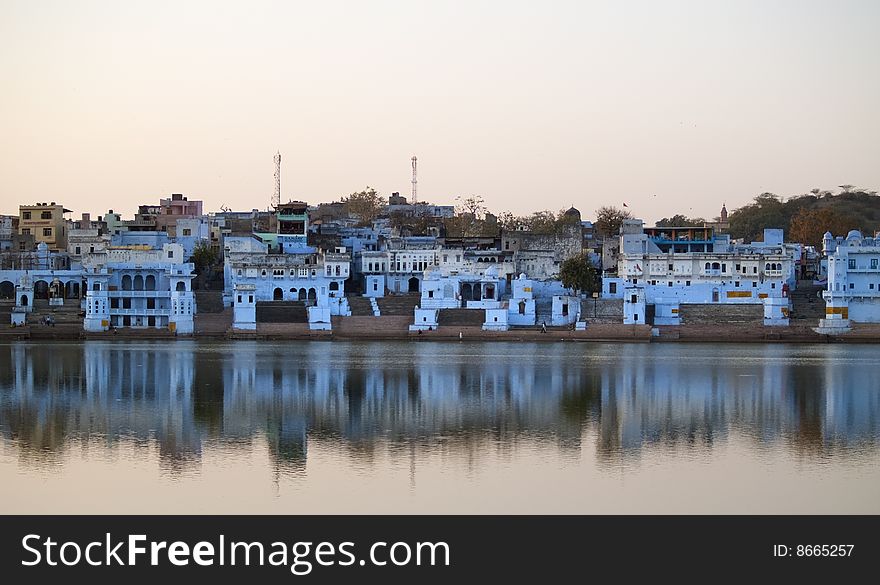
[(620, 401)]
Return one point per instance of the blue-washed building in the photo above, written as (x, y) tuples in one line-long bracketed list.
[(852, 294)]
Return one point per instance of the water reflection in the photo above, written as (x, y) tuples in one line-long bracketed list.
[(623, 402)]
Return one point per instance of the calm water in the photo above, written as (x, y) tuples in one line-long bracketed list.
[(387, 427)]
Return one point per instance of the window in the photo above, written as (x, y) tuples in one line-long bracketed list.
[(47, 232), (736, 284), (430, 294), (874, 263), (852, 285), (634, 299), (670, 268), (687, 282), (445, 258), (25, 231), (754, 284), (852, 263), (612, 288), (670, 283), (126, 303), (239, 299), (46, 215), (187, 232), (772, 285), (737, 268), (25, 214), (76, 251), (151, 303), (724, 268), (171, 253)]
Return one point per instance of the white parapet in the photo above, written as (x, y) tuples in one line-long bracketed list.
[(424, 320), (496, 319), (319, 318), (776, 311)]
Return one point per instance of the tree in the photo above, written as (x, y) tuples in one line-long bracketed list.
[(578, 273), (609, 220), (767, 211), (204, 256), (469, 217), (679, 220), (808, 226), (365, 205)]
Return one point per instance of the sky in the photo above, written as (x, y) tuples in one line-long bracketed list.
[(667, 106)]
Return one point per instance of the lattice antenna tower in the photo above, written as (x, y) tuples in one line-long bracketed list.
[(276, 195), (415, 195)]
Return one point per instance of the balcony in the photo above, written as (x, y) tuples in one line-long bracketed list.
[(143, 312)]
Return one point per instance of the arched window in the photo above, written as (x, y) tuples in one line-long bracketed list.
[(277, 294), (96, 286), (313, 294), (716, 266), (150, 282), (302, 294), (334, 285), (767, 266), (181, 286), (126, 282), (708, 266), (138, 282)]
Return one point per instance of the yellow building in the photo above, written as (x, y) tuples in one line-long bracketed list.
[(44, 221)]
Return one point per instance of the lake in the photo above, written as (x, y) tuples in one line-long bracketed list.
[(434, 427)]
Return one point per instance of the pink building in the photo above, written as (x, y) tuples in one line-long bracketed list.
[(178, 207)]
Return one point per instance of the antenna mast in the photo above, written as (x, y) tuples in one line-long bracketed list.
[(415, 196), (276, 196)]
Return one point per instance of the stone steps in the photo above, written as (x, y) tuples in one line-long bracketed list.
[(461, 317), (391, 326), (282, 312), (360, 306), (398, 305), (209, 301), (215, 324)]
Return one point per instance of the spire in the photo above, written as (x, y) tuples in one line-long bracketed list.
[(723, 212)]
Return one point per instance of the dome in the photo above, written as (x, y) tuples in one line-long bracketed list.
[(572, 212), (828, 236), (522, 275), (854, 235)]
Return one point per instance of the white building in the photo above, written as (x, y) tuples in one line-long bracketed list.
[(723, 274), (139, 287), (853, 291)]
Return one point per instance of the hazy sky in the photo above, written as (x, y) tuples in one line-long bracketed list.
[(667, 106)]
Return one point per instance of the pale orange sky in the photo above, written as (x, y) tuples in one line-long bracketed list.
[(672, 107)]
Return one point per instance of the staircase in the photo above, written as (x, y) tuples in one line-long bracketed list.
[(807, 306), (371, 327), (461, 317), (212, 324), (68, 320), (543, 310), (282, 312), (360, 306), (209, 301), (399, 305)]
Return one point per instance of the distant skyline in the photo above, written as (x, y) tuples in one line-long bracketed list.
[(670, 107)]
